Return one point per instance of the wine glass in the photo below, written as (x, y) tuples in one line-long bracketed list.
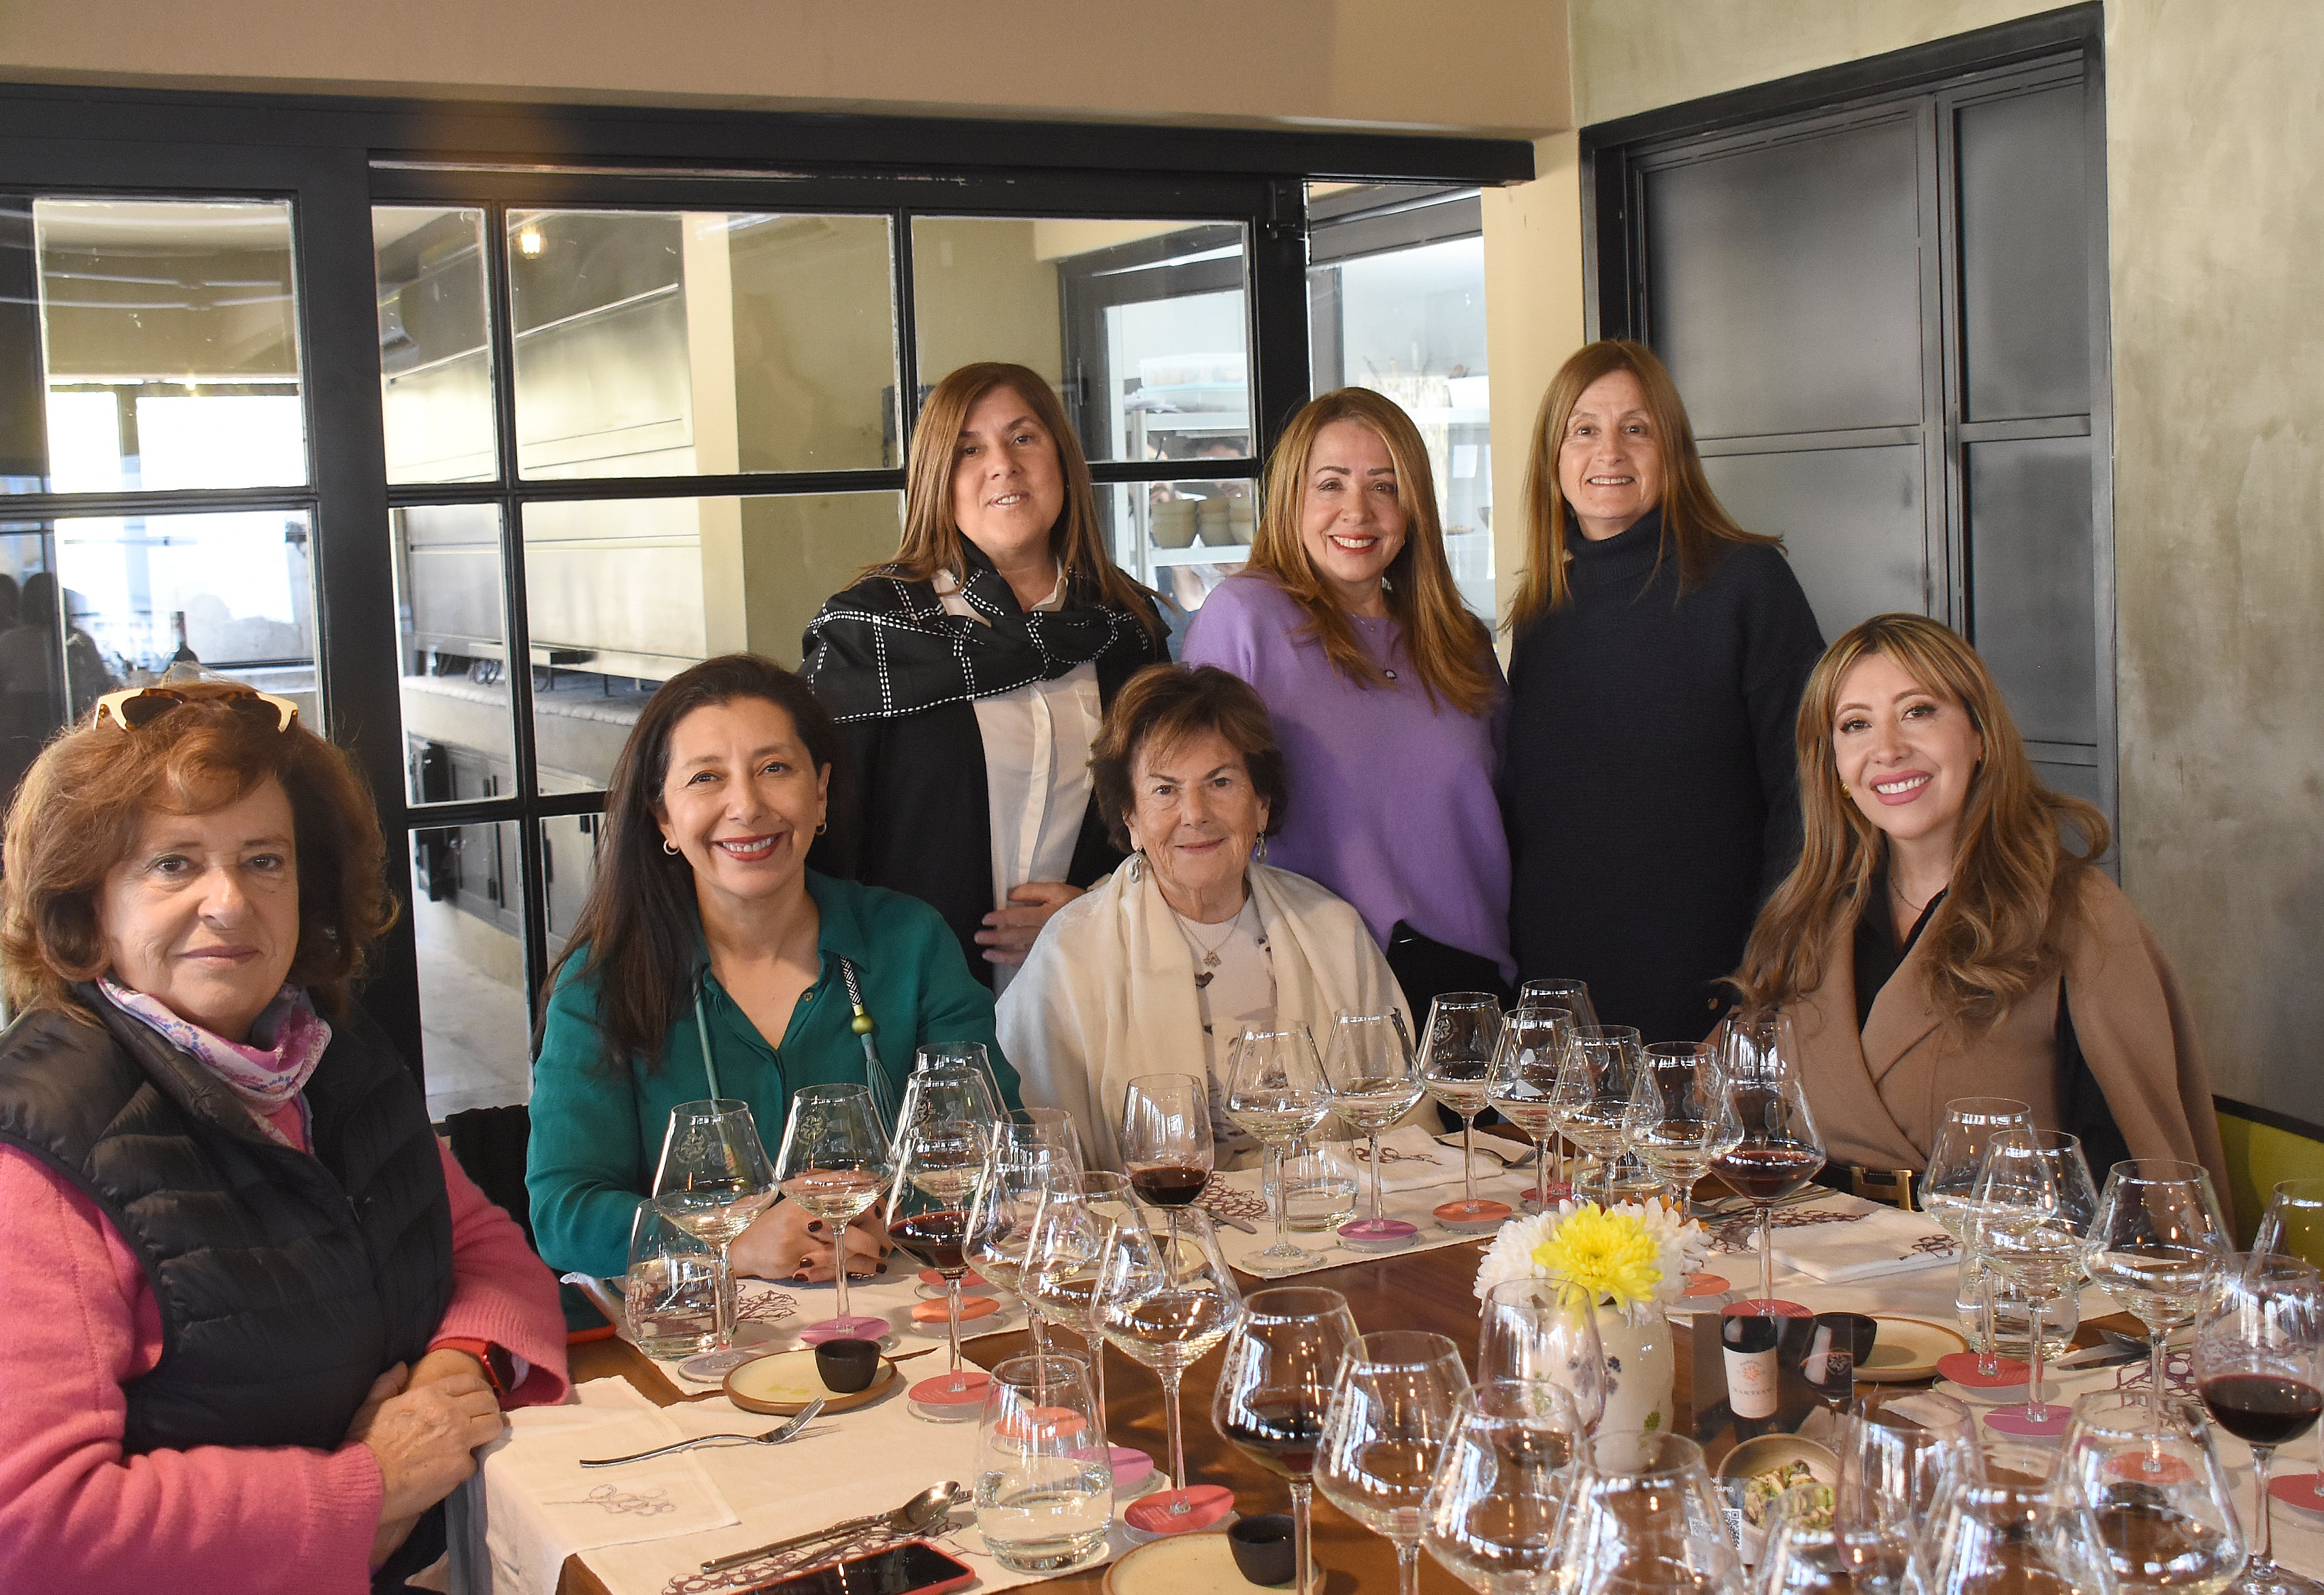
[(1948, 1186), (1275, 1090), (2035, 1203), (1523, 1084), (1832, 1542), (1771, 1146), (2158, 1232), (713, 1178), (1276, 1386), (944, 1132), (2256, 1353), (2293, 1224), (1645, 1518), (1533, 1332), (1573, 996), (1393, 1408), (1060, 1258), (956, 1058), (1166, 1139), (1494, 1509), (835, 1164), (1456, 1062), (1032, 1149), (1372, 1081), (1673, 1123), (1166, 1300), (2160, 1495), (1592, 1095), (2011, 1520)]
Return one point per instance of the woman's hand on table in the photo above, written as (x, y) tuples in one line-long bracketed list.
[(1008, 933), (424, 1437), (785, 1242)]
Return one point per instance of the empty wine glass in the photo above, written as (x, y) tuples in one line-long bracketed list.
[(1831, 1542), (1771, 1144), (2156, 1235), (1456, 1064), (1593, 1096), (1275, 1389), (2034, 1202), (713, 1178), (1032, 1150), (944, 1132), (1275, 1090), (1532, 1333), (1393, 1409), (1166, 1300), (1573, 996), (1906, 1442), (960, 1057), (1523, 1085), (1059, 1277), (2011, 1521), (1372, 1081), (1165, 1138), (1947, 1190), (2256, 1363), (1674, 1123), (1494, 1509), (835, 1164), (1645, 1518), (2155, 1487)]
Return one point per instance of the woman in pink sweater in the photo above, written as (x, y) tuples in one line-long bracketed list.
[(256, 1320)]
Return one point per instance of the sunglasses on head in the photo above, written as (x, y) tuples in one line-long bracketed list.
[(135, 707)]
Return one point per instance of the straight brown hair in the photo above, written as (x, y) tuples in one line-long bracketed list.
[(1447, 644), (932, 535), (1694, 522), (1999, 932)]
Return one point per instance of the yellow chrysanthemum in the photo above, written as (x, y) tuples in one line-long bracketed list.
[(1600, 1254)]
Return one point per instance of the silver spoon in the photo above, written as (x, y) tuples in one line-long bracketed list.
[(774, 1436), (924, 1509)]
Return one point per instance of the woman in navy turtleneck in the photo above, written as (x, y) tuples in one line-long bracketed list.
[(1650, 782)]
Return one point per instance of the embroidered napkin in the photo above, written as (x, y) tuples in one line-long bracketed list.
[(541, 1505), (1411, 1160), (1847, 1239)]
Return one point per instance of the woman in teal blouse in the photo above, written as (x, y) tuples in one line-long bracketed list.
[(705, 925)]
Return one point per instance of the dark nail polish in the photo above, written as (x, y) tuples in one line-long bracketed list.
[(882, 1268), (815, 1227), (799, 1278)]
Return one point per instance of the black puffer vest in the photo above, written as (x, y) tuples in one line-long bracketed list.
[(285, 1283)]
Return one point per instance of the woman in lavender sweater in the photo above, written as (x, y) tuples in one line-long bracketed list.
[(1384, 691)]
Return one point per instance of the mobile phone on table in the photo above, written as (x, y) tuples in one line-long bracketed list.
[(912, 1568)]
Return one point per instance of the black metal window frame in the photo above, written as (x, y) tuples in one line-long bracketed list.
[(335, 159)]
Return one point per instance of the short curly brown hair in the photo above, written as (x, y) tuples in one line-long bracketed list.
[(1171, 703), (80, 808)]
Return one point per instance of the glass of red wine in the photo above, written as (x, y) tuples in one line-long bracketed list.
[(1772, 1145), (1166, 1140), (2257, 1347), (1276, 1388), (944, 1132)]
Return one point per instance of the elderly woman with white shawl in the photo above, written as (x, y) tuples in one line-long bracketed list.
[(1191, 939)]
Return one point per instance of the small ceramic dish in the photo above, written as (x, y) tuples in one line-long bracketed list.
[(1906, 1349), (782, 1385)]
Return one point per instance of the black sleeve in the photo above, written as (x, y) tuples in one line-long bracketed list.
[(1781, 644)]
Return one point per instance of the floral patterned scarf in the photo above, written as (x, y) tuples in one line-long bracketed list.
[(264, 1077)]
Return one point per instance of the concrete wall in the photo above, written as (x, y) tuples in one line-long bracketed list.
[(1469, 65), (2218, 300)]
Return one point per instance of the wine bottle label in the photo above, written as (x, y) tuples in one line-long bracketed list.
[(1751, 1383)]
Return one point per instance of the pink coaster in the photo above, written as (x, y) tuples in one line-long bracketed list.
[(2020, 1423), (1962, 1367), (1385, 1236), (971, 1280), (1179, 1511), (940, 1391), (1558, 1191), (846, 1329), (2147, 1467), (1764, 1307), (1130, 1467), (2303, 1490)]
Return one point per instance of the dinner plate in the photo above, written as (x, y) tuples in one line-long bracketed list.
[(1906, 1349), (1198, 1564), (782, 1385)]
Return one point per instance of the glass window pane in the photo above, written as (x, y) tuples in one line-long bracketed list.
[(31, 683), (572, 853), (665, 342), (453, 658), (622, 595), (467, 919), (435, 344), (167, 352), (1182, 539), (234, 591), (1150, 317)]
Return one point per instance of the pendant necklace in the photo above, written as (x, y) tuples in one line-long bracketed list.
[(1207, 954)]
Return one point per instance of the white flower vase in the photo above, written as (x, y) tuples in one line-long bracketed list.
[(1640, 1369)]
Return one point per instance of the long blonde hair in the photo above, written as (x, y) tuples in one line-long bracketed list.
[(932, 535), (1446, 643), (1693, 520), (1998, 933)]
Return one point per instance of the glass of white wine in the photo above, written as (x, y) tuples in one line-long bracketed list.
[(2157, 1234), (1276, 1090), (2035, 1201), (1523, 1084), (1372, 1080), (1592, 1096), (835, 1162), (1948, 1194), (713, 1178), (1166, 1297), (1674, 1122), (1394, 1407)]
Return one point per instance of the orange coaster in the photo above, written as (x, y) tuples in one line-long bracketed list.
[(970, 1307), (1479, 1214)]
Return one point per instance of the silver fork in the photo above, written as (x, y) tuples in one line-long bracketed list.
[(774, 1436)]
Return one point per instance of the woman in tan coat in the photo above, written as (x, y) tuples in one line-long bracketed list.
[(1940, 939)]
